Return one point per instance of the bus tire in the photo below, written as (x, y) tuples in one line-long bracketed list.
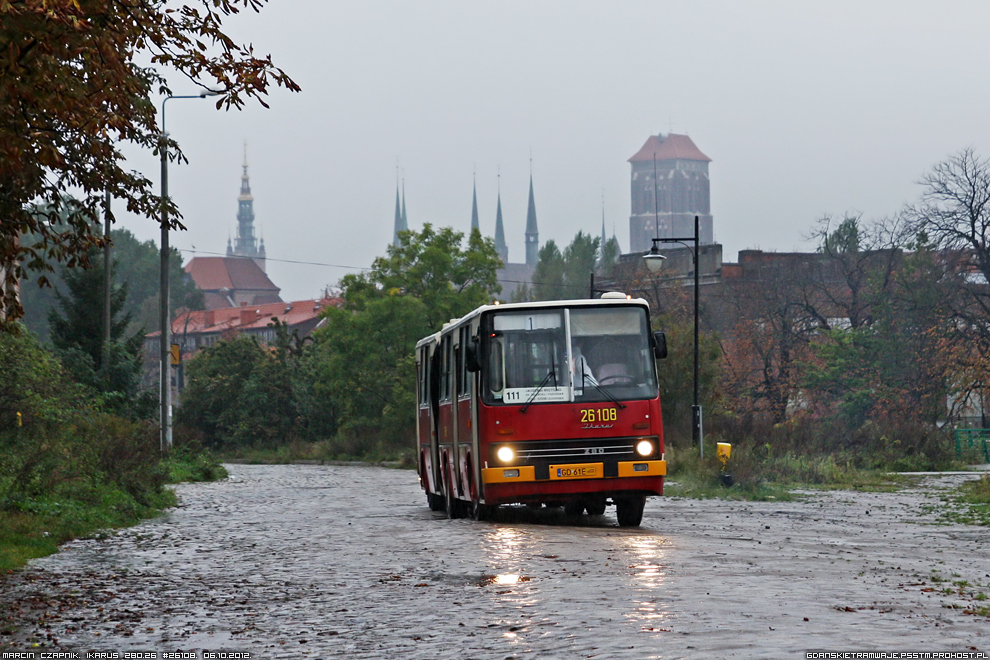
[(481, 511), (629, 510), (436, 502), (595, 507), (573, 508), (453, 506)]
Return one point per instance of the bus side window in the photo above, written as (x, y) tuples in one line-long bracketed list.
[(496, 368), (421, 378), (448, 370), (463, 384), (442, 349)]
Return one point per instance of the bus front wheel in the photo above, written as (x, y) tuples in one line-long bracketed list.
[(436, 502), (629, 511), (453, 506), (481, 511)]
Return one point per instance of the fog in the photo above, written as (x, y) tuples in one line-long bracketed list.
[(805, 109)]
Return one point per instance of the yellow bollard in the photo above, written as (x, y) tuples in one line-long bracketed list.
[(723, 451)]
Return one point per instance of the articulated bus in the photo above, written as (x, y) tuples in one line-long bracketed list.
[(545, 403)]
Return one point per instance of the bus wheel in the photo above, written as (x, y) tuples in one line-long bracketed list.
[(629, 511), (573, 508), (595, 507), (453, 506), (481, 511), (436, 502)]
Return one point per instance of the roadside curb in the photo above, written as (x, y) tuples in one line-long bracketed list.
[(246, 461)]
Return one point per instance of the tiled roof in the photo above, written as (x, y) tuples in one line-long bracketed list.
[(248, 317), (235, 273), (669, 147)]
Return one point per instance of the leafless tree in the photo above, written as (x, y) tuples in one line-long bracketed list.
[(954, 211)]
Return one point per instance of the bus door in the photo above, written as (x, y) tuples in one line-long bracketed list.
[(446, 431), (434, 416), (463, 414), (425, 432)]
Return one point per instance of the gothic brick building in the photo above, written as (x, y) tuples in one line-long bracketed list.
[(669, 187)]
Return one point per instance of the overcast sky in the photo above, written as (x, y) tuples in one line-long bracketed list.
[(805, 109)]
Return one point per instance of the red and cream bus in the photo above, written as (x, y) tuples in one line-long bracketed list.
[(551, 403)]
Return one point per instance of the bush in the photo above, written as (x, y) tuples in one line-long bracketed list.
[(69, 470), (886, 443)]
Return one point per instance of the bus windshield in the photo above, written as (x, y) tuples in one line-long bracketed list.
[(582, 354)]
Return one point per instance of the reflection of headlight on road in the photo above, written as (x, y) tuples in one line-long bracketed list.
[(644, 448), (505, 454)]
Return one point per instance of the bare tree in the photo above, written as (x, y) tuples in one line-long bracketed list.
[(954, 211), (855, 271), (952, 219)]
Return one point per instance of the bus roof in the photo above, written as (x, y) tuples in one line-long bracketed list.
[(540, 304)]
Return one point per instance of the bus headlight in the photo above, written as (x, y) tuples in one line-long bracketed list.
[(505, 454), (644, 448)]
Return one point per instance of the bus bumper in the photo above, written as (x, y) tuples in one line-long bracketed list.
[(516, 484)]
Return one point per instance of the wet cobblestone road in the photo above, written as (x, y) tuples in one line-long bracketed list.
[(348, 562)]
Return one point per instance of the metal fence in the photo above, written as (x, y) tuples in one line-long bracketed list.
[(973, 441)]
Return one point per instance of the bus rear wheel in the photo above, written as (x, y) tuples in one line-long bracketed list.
[(595, 507), (629, 511), (573, 508), (436, 502)]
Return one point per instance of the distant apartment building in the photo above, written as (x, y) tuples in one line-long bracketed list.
[(195, 330)]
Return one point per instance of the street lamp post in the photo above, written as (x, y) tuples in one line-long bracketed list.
[(654, 260), (163, 309)]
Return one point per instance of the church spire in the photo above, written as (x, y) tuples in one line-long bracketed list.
[(398, 218), (246, 245), (532, 231), (500, 247), (474, 210), (405, 220), (601, 246)]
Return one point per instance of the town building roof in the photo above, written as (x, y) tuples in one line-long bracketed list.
[(247, 317), (234, 273), (669, 147)]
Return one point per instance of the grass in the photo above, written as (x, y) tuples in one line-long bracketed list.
[(34, 523), (759, 474), (35, 527), (969, 504), (186, 466)]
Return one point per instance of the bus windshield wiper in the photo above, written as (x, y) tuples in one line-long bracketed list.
[(588, 378), (550, 374), (607, 394)]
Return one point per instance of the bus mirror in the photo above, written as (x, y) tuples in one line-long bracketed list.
[(471, 355), (659, 345)]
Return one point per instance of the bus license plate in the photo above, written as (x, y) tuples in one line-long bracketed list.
[(579, 471)]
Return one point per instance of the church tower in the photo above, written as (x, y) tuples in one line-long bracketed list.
[(474, 210), (400, 214), (532, 231), (500, 247), (246, 245), (669, 187)]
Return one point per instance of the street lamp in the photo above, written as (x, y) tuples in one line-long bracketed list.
[(654, 260), (166, 326)]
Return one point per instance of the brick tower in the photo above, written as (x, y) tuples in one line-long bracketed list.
[(681, 191)]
